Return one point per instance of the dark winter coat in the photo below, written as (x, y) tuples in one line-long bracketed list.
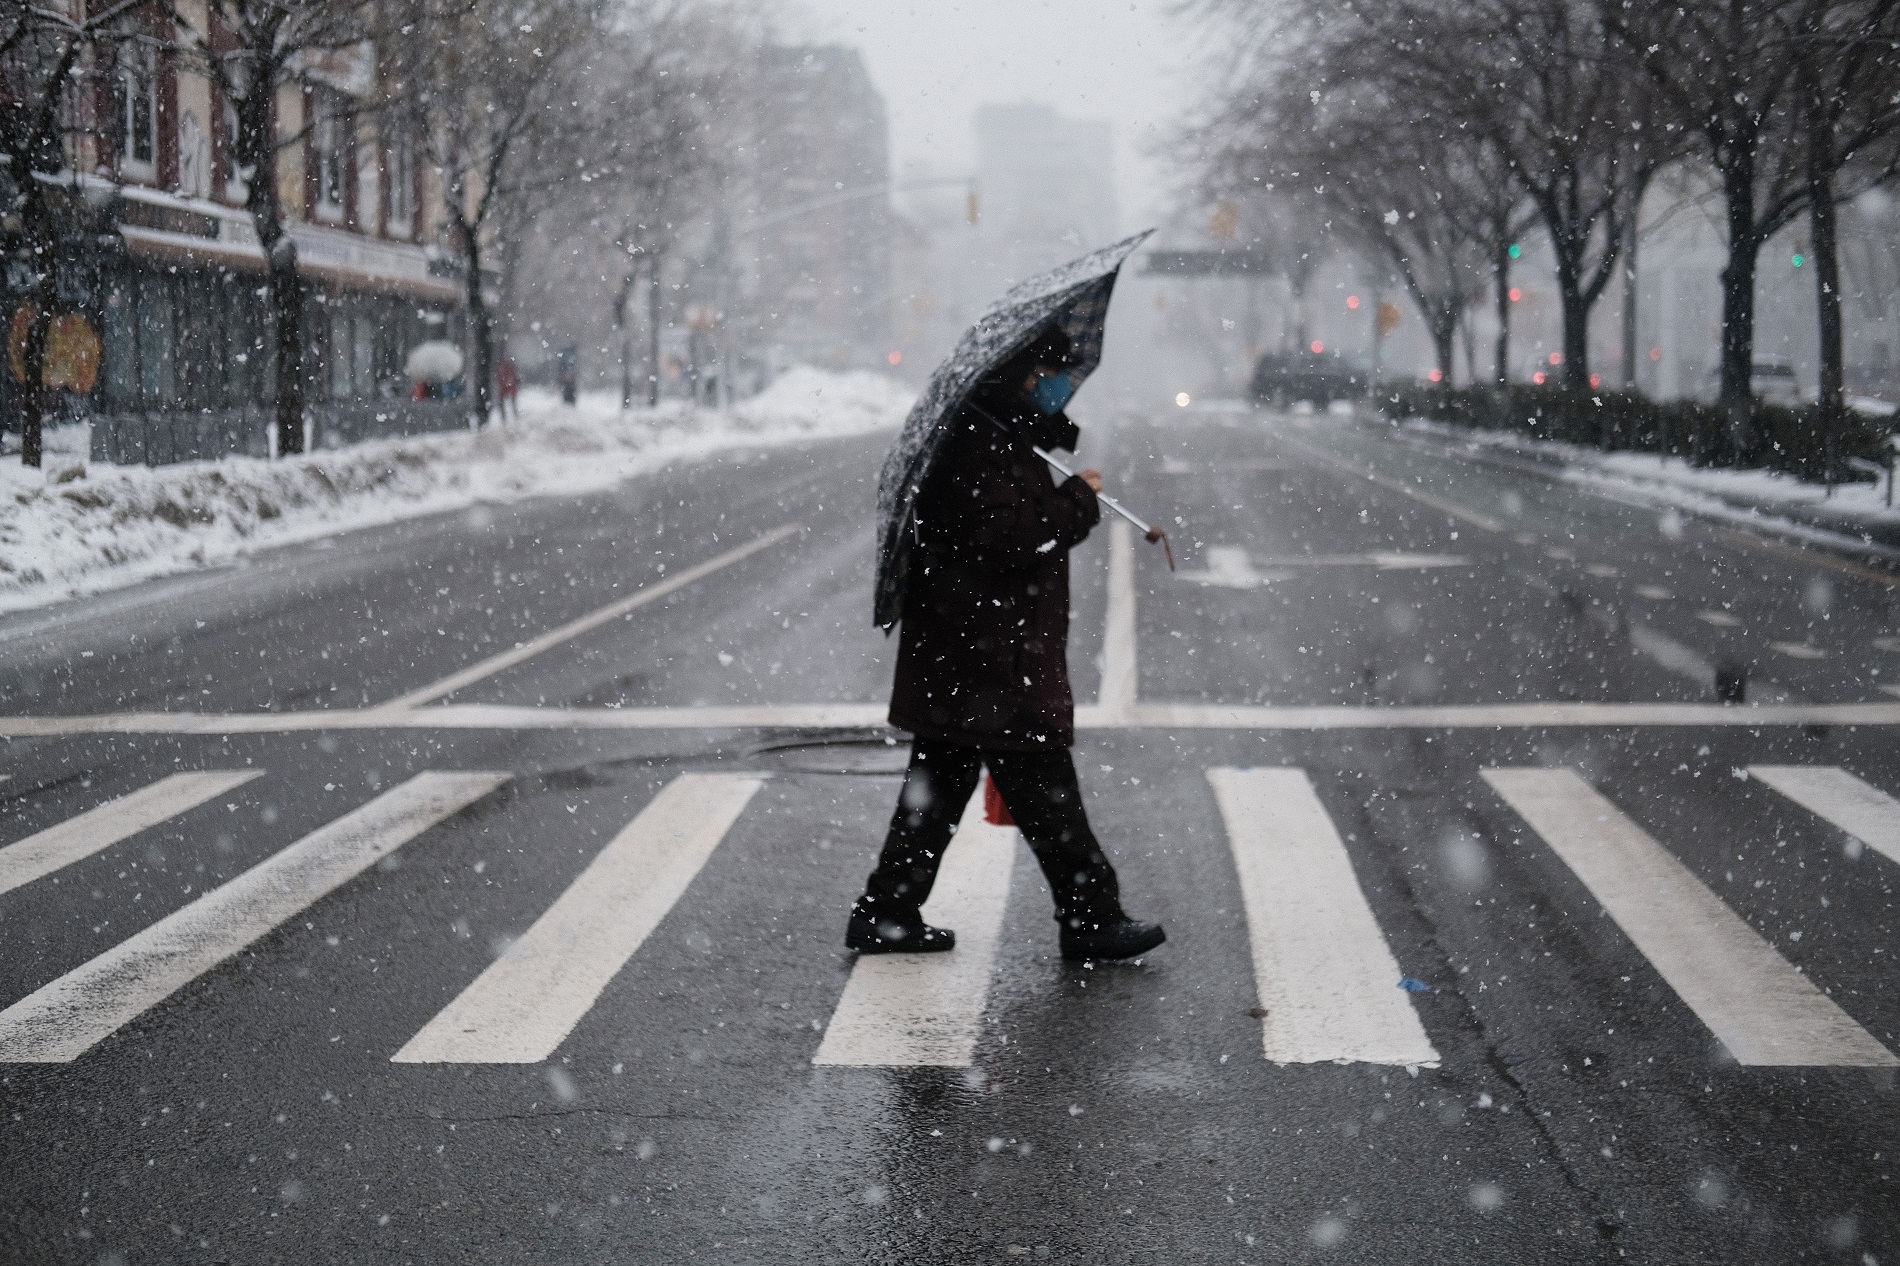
[(982, 658)]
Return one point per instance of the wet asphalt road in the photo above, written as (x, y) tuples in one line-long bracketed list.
[(1580, 1112)]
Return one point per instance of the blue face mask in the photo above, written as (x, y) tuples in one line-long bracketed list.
[(1052, 392)]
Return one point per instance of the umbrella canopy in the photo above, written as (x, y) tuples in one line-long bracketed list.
[(1075, 297), (434, 361)]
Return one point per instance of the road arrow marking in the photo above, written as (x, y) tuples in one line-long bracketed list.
[(1231, 567)]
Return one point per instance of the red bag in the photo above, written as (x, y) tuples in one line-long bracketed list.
[(995, 812)]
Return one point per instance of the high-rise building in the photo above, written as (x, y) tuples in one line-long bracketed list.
[(815, 243), (1046, 184)]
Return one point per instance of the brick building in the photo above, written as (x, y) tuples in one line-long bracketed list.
[(159, 258)]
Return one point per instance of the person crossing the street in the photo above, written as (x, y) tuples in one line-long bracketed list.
[(982, 668)]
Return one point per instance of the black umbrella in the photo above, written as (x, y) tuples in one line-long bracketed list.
[(1075, 297)]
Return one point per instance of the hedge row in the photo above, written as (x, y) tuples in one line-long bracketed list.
[(1791, 440)]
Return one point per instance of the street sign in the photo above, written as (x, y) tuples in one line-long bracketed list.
[(1209, 263)]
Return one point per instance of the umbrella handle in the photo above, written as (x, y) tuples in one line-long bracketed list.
[(1156, 534), (1150, 534)]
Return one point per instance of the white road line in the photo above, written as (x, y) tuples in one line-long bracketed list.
[(1720, 619), (1799, 650), (96, 829), (909, 1010), (1675, 656), (1762, 1009), (61, 1020), (612, 611), (1118, 638), (1492, 716), (1862, 810), (1462, 513), (855, 716), (1327, 979), (1231, 567), (528, 1000)]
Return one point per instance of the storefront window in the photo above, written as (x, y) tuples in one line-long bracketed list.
[(237, 185), (156, 341), (135, 114), (363, 359), (122, 349), (330, 139), (400, 172), (341, 345)]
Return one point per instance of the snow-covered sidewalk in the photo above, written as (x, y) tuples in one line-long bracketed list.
[(1855, 515), (79, 527)]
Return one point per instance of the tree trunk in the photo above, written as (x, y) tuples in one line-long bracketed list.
[(1576, 367), (1738, 307), (653, 329), (622, 297), (1502, 362), (481, 328), (1629, 305), (286, 301), (41, 232), (283, 290), (1825, 253), (1444, 337), (42, 236)]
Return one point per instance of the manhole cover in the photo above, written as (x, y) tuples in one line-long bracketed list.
[(876, 752)]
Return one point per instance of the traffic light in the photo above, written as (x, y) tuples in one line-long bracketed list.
[(1515, 250)]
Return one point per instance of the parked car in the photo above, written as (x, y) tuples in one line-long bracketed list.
[(1281, 378), (1772, 382)]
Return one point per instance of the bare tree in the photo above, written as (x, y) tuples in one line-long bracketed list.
[(494, 91), (1848, 84), (1531, 89), (1723, 70), (44, 52), (1339, 121), (254, 51), (684, 66)]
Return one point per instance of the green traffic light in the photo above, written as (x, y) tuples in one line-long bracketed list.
[(1515, 250), (1798, 259)]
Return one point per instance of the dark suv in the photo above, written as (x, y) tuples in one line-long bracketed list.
[(1280, 378)]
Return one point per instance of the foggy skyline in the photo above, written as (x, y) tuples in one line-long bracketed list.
[(1129, 64)]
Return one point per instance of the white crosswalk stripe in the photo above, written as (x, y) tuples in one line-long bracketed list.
[(1753, 1000), (902, 1010), (1864, 811), (95, 830), (63, 1019), (1326, 978), (529, 999)]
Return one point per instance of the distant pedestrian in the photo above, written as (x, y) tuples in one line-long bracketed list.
[(508, 389), (567, 372), (982, 667)]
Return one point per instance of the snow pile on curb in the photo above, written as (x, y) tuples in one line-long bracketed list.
[(1733, 494), (78, 528)]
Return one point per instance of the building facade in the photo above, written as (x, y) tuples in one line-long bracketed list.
[(815, 242), (159, 263)]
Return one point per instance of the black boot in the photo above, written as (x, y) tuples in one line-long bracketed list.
[(1116, 937), (888, 935)]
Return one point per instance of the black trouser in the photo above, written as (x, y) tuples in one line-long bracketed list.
[(1042, 795)]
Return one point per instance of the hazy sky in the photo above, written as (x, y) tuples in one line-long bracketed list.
[(1128, 61)]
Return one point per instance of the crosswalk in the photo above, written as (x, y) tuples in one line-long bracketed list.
[(1330, 987)]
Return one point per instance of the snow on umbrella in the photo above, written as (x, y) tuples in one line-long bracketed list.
[(1074, 296), (434, 361)]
